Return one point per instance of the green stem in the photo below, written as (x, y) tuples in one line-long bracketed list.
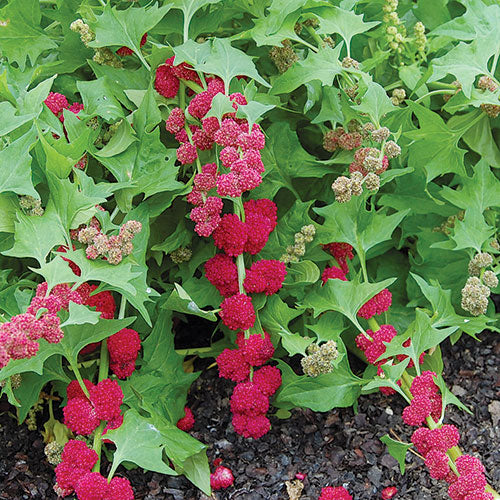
[(362, 261), (102, 2), (78, 376), (185, 30), (114, 213), (315, 36), (394, 85), (434, 92), (307, 44), (97, 445), (373, 324)]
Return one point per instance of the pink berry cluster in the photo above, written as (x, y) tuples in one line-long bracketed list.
[(125, 51), (265, 276), (74, 474), (111, 248), (426, 402), (57, 103), (19, 337), (123, 348), (168, 77), (337, 493), (434, 444), (341, 252), (222, 477), (250, 398), (83, 414), (186, 423)]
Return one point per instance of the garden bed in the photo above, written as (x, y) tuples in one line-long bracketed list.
[(336, 447)]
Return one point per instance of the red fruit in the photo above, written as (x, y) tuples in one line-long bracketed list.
[(79, 455), (75, 391), (119, 489), (258, 228), (333, 273), (222, 272), (166, 83), (56, 102), (300, 476), (388, 493), (248, 400), (107, 396), (338, 493), (232, 365), (80, 416), (221, 478), (237, 312), (186, 423), (437, 463), (376, 305), (251, 427), (231, 235), (92, 486), (124, 346), (265, 276), (267, 379), (256, 349), (341, 252), (175, 121)]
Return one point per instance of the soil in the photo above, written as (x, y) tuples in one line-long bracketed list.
[(340, 447)]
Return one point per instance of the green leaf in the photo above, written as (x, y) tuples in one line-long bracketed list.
[(149, 455), (36, 236), (435, 146), (323, 66), (285, 160), (346, 23), (329, 326), (221, 104), (121, 140), (21, 36), (253, 111), (473, 231), (99, 99), (126, 27), (28, 393), (192, 52), (303, 272), (397, 450), (480, 139), (146, 165), (56, 163), (275, 319), (345, 297), (479, 192), (423, 336), (71, 206), (80, 314), (338, 389), (352, 223), (227, 62), (15, 174), (466, 61), (330, 107), (189, 8), (448, 397), (375, 101), (180, 301), (9, 205), (10, 119)]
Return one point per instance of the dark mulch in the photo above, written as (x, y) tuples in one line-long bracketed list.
[(339, 447)]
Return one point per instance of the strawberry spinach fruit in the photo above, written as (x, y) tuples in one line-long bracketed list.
[(316, 180)]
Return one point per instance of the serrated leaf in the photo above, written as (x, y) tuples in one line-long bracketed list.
[(448, 397), (189, 8), (126, 27), (36, 236), (352, 223), (9, 205), (472, 232), (329, 327), (11, 120), (480, 191), (15, 166), (435, 146), (253, 111), (21, 36), (285, 160), (397, 450), (375, 101), (330, 107), (465, 62), (275, 319), (346, 297), (99, 99), (344, 22), (227, 62), (149, 455), (323, 66), (80, 314), (337, 389), (221, 105)]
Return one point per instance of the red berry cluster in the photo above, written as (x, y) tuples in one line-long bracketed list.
[(221, 478), (389, 492), (433, 444), (337, 493), (83, 414), (125, 51), (74, 474), (19, 337), (426, 402), (186, 423), (123, 348), (341, 252), (359, 159), (250, 399), (58, 102), (168, 76)]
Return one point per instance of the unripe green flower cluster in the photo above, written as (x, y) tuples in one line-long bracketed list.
[(319, 358), (477, 289), (294, 252), (31, 205), (283, 57), (53, 452), (182, 254), (398, 96), (420, 38), (395, 32)]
